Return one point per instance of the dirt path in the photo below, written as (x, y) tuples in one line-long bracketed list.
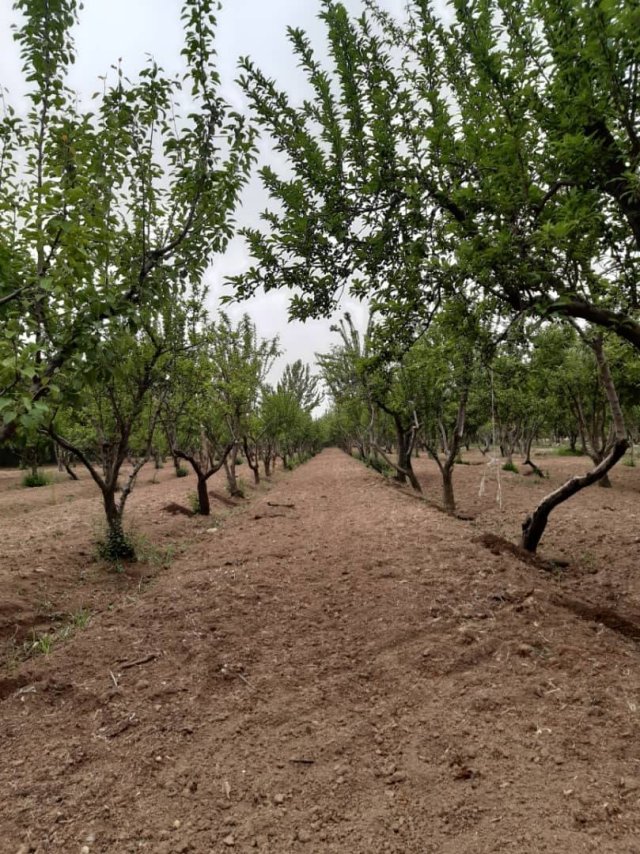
[(351, 674)]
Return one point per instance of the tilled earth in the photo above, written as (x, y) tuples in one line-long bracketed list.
[(338, 668)]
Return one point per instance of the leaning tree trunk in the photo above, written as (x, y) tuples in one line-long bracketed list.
[(534, 525), (536, 522)]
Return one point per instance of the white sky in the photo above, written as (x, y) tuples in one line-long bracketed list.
[(110, 29)]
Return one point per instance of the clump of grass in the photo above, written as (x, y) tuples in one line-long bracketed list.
[(194, 502), (40, 644), (154, 555), (80, 619), (36, 478), (510, 467), (181, 471), (629, 461)]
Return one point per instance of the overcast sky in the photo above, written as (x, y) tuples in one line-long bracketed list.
[(110, 29)]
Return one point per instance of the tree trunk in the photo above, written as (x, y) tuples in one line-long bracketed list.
[(204, 505), (401, 470), (69, 470), (448, 498), (408, 472), (253, 462), (527, 457), (604, 482), (117, 546), (230, 470)]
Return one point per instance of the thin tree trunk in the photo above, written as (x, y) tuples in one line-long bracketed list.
[(69, 470)]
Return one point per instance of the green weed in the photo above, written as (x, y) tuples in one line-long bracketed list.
[(34, 479)]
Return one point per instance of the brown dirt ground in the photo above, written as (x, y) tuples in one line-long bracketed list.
[(355, 674)]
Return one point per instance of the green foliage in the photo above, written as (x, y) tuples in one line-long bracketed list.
[(147, 552), (80, 619), (510, 467), (194, 502), (41, 644), (116, 547), (107, 212), (490, 152), (181, 471), (36, 478), (298, 382)]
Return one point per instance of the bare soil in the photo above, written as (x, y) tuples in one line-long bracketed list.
[(354, 673)]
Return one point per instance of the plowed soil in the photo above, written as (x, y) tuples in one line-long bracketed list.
[(334, 667)]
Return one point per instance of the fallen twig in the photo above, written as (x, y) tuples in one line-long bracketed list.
[(275, 504), (138, 661), (245, 680)]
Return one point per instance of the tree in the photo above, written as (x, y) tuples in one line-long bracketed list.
[(240, 361), (288, 428), (298, 381), (193, 415), (368, 369), (122, 395), (103, 212), (442, 368), (497, 154)]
